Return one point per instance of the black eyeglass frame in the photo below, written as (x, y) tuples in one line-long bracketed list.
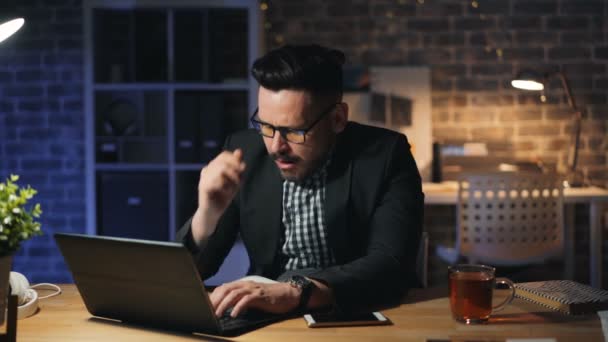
[(285, 130)]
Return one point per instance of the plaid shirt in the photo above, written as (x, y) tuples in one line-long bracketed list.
[(305, 241)]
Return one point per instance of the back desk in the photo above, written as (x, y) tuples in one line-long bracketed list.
[(446, 193), (423, 315)]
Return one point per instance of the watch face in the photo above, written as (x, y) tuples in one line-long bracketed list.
[(299, 281)]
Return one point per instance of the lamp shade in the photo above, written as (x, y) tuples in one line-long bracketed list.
[(8, 28), (528, 80)]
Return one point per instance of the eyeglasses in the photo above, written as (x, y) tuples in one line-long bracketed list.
[(296, 136)]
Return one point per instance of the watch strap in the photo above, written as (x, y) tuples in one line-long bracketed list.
[(305, 285)]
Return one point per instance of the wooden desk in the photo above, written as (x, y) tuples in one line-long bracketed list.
[(425, 314), (446, 193)]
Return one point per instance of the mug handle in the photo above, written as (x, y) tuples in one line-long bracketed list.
[(509, 298)]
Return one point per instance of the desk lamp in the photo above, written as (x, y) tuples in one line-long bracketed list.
[(531, 80), (8, 28)]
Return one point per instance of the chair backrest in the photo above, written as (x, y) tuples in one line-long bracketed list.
[(422, 260), (510, 218)]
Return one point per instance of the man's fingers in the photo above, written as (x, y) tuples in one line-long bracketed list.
[(217, 294), (243, 303), (227, 180), (233, 159), (232, 175), (238, 154), (237, 160), (222, 170), (220, 292), (229, 299)]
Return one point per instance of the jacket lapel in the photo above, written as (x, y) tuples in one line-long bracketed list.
[(270, 211), (336, 201)]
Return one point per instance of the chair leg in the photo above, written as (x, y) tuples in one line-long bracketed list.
[(569, 245)]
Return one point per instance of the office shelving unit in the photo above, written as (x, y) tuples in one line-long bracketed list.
[(165, 82)]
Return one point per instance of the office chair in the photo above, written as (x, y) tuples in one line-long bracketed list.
[(507, 219), (422, 260)]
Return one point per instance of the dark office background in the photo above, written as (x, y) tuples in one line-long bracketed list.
[(472, 47)]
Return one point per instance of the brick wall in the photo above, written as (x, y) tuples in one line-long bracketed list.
[(42, 124), (473, 52), (474, 48)]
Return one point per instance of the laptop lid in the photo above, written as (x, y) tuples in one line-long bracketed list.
[(138, 281)]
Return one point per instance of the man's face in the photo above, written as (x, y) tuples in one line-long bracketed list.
[(295, 109)]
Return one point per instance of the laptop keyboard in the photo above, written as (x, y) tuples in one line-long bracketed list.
[(250, 320)]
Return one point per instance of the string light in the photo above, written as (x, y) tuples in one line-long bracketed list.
[(263, 6), (279, 39), (490, 44)]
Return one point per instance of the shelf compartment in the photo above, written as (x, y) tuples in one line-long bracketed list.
[(130, 45), (131, 126), (133, 204), (211, 45), (203, 119)]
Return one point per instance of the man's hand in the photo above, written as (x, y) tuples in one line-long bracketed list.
[(241, 295), (218, 184)]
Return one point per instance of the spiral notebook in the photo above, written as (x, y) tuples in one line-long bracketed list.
[(567, 296)]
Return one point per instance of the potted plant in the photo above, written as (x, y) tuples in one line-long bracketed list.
[(18, 222)]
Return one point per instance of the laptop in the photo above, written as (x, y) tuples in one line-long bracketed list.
[(149, 283)]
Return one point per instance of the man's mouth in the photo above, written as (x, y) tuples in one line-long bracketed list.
[(285, 162)]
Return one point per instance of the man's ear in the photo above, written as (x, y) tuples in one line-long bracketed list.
[(340, 117)]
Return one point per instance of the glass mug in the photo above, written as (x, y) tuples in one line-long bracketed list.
[(471, 290)]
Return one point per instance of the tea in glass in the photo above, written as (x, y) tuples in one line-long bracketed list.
[(471, 290)]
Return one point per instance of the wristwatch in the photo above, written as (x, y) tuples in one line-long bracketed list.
[(305, 285)]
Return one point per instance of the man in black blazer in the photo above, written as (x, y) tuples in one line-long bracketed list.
[(331, 208)]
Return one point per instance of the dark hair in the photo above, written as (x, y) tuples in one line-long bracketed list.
[(304, 67)]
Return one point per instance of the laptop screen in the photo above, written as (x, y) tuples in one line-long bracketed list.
[(138, 281)]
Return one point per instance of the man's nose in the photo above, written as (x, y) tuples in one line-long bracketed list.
[(279, 144)]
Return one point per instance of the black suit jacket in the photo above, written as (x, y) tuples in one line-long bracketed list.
[(373, 211)]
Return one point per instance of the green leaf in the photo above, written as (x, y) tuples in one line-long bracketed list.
[(17, 215)]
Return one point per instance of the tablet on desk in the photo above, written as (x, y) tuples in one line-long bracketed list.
[(344, 320)]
